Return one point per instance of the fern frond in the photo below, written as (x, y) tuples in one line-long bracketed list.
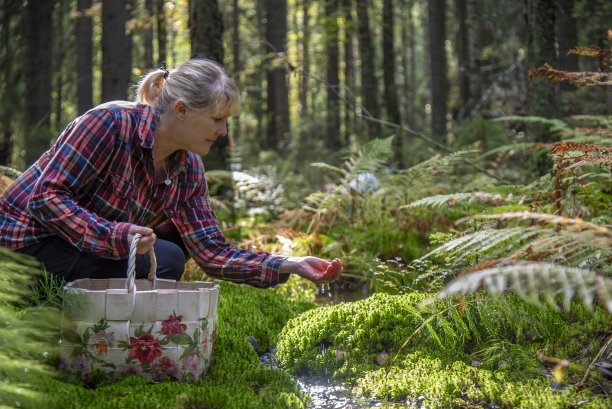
[(533, 281), (435, 165), (371, 157), (327, 166), (449, 200), (575, 224), (515, 147)]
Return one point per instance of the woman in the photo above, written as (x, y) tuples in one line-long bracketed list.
[(126, 168)]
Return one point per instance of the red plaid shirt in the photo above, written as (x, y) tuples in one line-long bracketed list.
[(97, 180)]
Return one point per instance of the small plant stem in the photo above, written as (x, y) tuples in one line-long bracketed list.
[(590, 367), (415, 332)]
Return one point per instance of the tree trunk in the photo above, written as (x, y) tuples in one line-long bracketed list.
[(148, 35), (439, 82), (236, 49), (9, 73), (38, 60), (350, 120), (389, 63), (162, 49), (463, 57), (303, 91), (369, 98), (474, 49), (206, 29), (116, 50), (541, 49), (332, 121), (277, 88), (206, 33), (84, 53)]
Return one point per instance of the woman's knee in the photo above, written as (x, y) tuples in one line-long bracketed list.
[(170, 261)]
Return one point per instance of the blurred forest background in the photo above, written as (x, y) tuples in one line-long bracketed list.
[(317, 77)]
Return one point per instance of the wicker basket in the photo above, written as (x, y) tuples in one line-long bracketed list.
[(155, 328)]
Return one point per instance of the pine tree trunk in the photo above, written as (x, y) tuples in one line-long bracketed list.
[(350, 120), (206, 29), (463, 56), (369, 89), (9, 74), (236, 49), (439, 82), (277, 87), (84, 53), (474, 49), (116, 50), (162, 49), (541, 49), (148, 35), (303, 91), (389, 63), (38, 63), (332, 120)]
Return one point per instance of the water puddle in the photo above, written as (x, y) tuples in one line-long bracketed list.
[(326, 395)]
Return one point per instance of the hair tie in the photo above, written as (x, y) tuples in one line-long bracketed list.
[(166, 75)]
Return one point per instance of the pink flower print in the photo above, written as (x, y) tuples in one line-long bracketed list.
[(130, 369), (173, 326), (100, 343), (82, 363), (192, 363), (145, 348), (164, 367)]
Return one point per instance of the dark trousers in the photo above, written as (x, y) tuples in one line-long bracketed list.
[(62, 259)]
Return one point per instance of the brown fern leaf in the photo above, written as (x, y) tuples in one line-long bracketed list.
[(580, 79), (594, 52), (588, 153)]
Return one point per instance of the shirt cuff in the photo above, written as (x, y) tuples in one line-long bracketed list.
[(119, 240), (270, 272)]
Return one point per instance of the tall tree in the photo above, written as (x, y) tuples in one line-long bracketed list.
[(463, 55), (369, 88), (332, 123), (236, 50), (9, 76), (439, 81), (541, 49), (350, 120), (84, 53), (388, 46), (148, 34), (206, 33), (38, 60), (277, 87), (304, 83), (206, 29), (116, 49), (162, 50)]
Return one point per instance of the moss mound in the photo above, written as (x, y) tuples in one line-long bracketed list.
[(356, 343), (236, 378)]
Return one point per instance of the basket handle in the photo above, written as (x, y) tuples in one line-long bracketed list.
[(131, 273)]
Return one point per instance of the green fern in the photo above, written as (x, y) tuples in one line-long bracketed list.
[(533, 282), (554, 125), (449, 200)]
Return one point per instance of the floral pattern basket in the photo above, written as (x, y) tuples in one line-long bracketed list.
[(155, 328)]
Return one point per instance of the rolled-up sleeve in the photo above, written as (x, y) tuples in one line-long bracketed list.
[(198, 225), (81, 152)]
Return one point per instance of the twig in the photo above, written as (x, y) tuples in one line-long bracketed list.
[(414, 333), (590, 367)]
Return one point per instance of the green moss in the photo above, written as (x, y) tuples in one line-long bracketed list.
[(342, 342), (236, 378)]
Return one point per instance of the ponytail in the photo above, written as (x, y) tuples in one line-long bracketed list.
[(150, 86)]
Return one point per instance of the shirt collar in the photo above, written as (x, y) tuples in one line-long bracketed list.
[(146, 126)]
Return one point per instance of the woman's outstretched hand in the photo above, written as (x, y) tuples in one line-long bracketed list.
[(312, 268)]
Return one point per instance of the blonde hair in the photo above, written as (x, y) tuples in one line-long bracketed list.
[(200, 83)]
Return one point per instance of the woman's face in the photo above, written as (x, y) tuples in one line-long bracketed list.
[(198, 130)]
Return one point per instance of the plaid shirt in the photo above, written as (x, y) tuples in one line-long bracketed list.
[(97, 180)]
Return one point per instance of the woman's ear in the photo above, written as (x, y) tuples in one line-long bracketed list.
[(180, 109)]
